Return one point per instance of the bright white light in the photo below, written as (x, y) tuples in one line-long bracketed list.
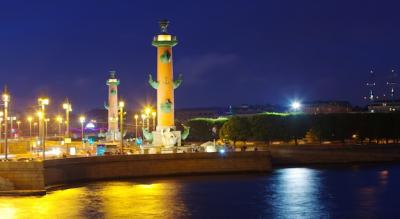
[(296, 105), (72, 151), (210, 148), (90, 125), (222, 151), (54, 151)]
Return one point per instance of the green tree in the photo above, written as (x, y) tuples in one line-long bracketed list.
[(236, 129)]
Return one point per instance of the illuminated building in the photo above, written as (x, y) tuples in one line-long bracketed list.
[(384, 106)]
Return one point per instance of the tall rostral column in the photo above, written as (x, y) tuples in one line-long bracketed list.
[(165, 86), (113, 132)]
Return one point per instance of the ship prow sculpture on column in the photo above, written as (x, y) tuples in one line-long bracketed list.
[(165, 134)]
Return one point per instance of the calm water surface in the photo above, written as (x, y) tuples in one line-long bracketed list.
[(340, 192)]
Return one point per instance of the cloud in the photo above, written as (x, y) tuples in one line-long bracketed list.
[(197, 69)]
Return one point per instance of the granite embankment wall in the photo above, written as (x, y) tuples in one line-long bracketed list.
[(38, 175), (63, 171), (309, 155), (22, 175)]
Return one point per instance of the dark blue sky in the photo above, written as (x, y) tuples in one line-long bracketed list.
[(230, 52)]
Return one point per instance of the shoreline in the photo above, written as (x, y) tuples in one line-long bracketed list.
[(59, 174)]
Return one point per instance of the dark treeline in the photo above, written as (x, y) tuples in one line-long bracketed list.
[(362, 127)]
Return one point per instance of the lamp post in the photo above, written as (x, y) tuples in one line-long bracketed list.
[(40, 130), (43, 102), (82, 121), (143, 118), (12, 118), (34, 127), (68, 108), (59, 120), (6, 100), (296, 107), (154, 120), (18, 124), (136, 126), (30, 125), (1, 123), (148, 111), (45, 127), (121, 106)]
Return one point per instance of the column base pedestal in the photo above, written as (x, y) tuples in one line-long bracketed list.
[(113, 136), (166, 137)]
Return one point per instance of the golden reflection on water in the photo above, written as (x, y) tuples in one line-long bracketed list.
[(100, 200)]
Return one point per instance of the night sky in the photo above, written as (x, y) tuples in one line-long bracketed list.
[(230, 52)]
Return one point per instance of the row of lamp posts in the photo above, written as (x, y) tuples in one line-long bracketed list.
[(42, 121)]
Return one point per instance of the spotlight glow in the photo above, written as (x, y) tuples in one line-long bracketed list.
[(296, 105)]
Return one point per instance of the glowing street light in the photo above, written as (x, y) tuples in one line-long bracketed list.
[(136, 125), (6, 100), (68, 108), (147, 110), (296, 105)]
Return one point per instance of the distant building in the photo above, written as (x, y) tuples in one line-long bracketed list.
[(323, 107), (384, 106)]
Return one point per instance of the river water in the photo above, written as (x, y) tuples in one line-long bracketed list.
[(337, 192)]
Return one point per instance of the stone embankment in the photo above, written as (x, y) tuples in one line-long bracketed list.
[(28, 177), (333, 154)]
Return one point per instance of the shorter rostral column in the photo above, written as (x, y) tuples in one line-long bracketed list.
[(112, 132), (165, 134)]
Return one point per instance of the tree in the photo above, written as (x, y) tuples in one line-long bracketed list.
[(236, 129)]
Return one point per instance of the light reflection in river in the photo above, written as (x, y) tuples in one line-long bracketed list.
[(99, 200), (343, 192), (296, 193)]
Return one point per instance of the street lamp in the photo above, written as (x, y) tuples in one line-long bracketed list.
[(34, 127), (45, 127), (40, 119), (59, 119), (1, 123), (18, 124), (12, 118), (30, 125), (82, 121), (6, 100), (43, 102), (121, 106), (148, 111), (143, 118), (68, 108), (136, 118), (154, 120), (296, 105)]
